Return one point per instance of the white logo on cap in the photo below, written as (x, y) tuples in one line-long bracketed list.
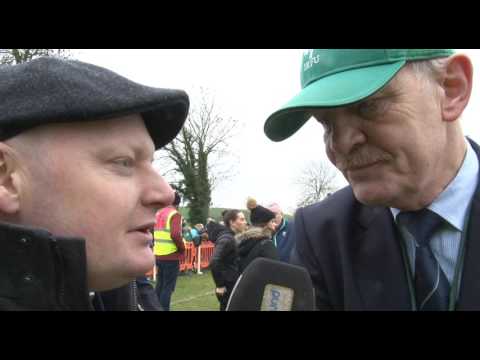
[(308, 62), (308, 52)]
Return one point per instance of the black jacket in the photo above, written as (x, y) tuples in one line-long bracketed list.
[(353, 255), (224, 262), (136, 295), (39, 271), (252, 244)]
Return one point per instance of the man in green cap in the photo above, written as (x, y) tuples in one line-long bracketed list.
[(403, 235)]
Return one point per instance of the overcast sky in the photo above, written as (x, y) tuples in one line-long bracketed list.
[(248, 85)]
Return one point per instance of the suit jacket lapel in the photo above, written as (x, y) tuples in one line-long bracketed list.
[(469, 297), (378, 263)]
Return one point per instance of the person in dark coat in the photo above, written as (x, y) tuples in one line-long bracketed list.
[(224, 262), (283, 238), (257, 240), (78, 192), (404, 234), (138, 295)]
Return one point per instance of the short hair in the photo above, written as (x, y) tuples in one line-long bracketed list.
[(230, 215), (428, 69)]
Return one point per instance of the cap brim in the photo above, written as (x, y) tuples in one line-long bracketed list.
[(165, 120), (343, 88)]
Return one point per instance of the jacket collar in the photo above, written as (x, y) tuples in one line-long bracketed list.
[(381, 285), (40, 271), (469, 297)]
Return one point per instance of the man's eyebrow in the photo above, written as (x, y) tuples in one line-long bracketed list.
[(144, 152), (138, 150)]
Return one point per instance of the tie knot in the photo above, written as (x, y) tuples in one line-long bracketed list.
[(421, 224)]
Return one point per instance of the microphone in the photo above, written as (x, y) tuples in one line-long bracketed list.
[(269, 285)]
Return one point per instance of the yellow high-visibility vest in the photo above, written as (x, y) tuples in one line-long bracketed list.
[(164, 244)]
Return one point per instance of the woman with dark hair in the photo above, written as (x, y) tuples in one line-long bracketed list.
[(224, 262), (235, 220), (257, 240)]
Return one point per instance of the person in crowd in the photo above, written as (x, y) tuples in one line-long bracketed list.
[(224, 262), (169, 250), (257, 240), (282, 238)]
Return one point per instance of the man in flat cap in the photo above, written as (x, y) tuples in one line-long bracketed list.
[(404, 234), (78, 193)]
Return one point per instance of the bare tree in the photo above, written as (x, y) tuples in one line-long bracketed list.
[(317, 180), (197, 156), (18, 56)]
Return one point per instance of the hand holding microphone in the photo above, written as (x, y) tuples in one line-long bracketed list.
[(220, 290)]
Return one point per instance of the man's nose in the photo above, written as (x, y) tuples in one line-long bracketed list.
[(160, 194), (345, 134)]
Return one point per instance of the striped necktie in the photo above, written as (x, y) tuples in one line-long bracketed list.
[(431, 284)]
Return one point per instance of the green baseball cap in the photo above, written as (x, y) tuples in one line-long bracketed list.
[(337, 77)]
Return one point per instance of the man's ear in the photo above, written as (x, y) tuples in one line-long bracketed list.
[(457, 86), (9, 181)]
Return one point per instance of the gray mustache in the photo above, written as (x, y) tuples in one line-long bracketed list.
[(361, 158)]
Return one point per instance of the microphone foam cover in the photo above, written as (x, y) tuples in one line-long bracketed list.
[(270, 285)]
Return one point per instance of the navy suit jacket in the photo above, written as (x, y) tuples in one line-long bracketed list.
[(353, 255)]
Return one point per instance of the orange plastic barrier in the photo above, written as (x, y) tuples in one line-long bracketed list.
[(206, 253), (187, 262)]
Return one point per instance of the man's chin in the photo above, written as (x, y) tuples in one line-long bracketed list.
[(127, 273), (143, 266), (371, 197)]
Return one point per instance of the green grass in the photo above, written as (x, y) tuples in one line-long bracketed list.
[(194, 292)]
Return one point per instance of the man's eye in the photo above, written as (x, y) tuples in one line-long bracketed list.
[(125, 162), (371, 108), (367, 107)]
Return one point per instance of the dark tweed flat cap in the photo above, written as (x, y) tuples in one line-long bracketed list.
[(50, 90)]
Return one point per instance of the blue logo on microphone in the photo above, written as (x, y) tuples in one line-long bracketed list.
[(277, 298)]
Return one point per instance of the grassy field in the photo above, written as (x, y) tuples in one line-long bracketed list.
[(194, 292)]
